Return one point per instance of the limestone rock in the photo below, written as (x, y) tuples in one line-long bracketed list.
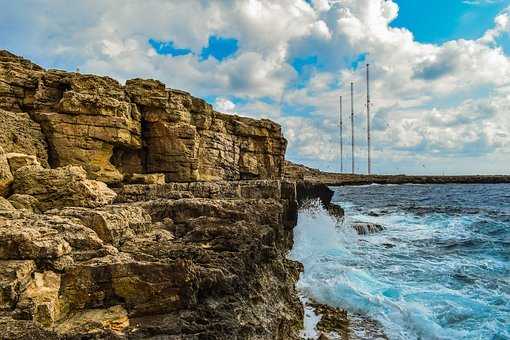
[(40, 300), (18, 160), (113, 224), (99, 322), (146, 179), (5, 173), (21, 134), (26, 202), (14, 277), (5, 204), (61, 187)]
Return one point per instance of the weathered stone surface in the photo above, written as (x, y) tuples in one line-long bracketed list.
[(20, 134), (6, 177), (5, 204), (113, 224), (186, 260), (96, 123), (146, 179), (39, 301), (101, 323), (18, 160), (26, 202), (14, 277), (61, 187)]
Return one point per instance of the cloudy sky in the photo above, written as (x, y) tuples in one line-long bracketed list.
[(440, 68)]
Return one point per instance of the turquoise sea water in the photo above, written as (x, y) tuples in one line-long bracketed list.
[(439, 270)]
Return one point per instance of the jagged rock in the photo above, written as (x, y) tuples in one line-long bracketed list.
[(6, 177), (182, 260), (20, 134), (19, 243), (99, 323), (61, 187), (5, 204), (113, 224), (18, 160), (39, 301), (364, 228), (14, 277), (26, 202)]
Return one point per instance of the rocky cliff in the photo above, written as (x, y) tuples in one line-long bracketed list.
[(115, 131), (138, 212)]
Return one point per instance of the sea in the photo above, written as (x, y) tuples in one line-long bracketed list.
[(440, 269)]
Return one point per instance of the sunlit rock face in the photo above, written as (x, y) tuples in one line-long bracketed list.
[(134, 212), (115, 131)]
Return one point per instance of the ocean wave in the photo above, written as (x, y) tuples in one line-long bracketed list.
[(439, 274)]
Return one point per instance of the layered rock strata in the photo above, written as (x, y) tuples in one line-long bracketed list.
[(188, 242), (115, 131), (208, 265)]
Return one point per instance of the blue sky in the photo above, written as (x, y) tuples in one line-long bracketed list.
[(439, 68), (442, 20)]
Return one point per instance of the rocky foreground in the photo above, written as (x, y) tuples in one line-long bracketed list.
[(137, 211)]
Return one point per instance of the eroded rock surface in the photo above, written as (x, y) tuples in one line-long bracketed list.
[(192, 267), (190, 240), (116, 131)]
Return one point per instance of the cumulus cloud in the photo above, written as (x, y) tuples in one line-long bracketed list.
[(430, 101)]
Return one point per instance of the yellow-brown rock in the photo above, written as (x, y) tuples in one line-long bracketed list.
[(115, 131), (6, 177)]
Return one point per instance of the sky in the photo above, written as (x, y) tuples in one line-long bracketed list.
[(440, 69)]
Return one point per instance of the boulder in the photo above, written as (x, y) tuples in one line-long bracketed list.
[(61, 187), (39, 301), (364, 228), (113, 224)]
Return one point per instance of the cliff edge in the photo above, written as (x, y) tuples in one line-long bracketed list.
[(139, 212)]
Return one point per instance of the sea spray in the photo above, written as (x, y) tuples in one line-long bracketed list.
[(439, 270)]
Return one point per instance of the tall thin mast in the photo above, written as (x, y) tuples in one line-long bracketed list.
[(352, 125), (341, 139), (368, 119)]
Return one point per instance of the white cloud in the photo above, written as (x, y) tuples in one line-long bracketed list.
[(435, 100)]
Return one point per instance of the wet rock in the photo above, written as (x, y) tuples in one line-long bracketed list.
[(61, 187), (364, 228)]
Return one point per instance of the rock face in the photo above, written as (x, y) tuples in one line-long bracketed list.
[(61, 187), (114, 131), (190, 242), (211, 265)]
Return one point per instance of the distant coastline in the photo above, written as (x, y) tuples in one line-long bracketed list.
[(299, 171)]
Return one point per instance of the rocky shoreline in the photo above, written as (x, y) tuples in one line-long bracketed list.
[(298, 171), (139, 212)]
